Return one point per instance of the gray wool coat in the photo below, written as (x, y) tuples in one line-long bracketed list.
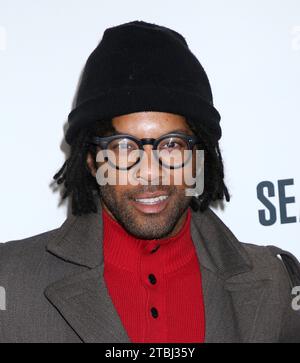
[(55, 290)]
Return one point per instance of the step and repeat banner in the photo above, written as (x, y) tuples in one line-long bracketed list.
[(251, 53)]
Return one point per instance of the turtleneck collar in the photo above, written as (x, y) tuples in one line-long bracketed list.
[(125, 251)]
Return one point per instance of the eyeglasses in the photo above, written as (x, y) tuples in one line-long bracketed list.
[(172, 150)]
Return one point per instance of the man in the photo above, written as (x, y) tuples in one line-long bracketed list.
[(145, 261)]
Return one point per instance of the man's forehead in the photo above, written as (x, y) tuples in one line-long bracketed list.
[(150, 124)]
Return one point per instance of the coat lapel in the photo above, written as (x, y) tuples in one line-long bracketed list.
[(233, 293), (84, 302), (83, 299)]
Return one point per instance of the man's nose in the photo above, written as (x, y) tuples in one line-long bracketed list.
[(149, 168)]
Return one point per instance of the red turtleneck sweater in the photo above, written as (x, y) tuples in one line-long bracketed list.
[(155, 285)]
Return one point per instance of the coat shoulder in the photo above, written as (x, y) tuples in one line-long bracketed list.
[(26, 270), (281, 270), (286, 277), (280, 262), (32, 243), (26, 252)]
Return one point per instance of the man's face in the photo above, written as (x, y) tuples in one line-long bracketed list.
[(133, 206)]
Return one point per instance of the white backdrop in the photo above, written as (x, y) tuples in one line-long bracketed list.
[(251, 52)]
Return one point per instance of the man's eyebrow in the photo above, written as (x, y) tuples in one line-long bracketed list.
[(184, 131)]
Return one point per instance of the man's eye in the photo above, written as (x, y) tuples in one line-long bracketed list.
[(125, 146), (171, 145)]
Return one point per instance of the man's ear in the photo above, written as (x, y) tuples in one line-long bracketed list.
[(91, 164)]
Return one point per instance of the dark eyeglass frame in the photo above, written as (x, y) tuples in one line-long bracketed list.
[(104, 141)]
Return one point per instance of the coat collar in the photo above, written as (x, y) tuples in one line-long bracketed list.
[(80, 242)]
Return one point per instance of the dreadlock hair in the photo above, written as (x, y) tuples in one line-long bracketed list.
[(82, 186), (214, 186)]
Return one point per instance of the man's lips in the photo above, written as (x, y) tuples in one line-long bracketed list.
[(151, 202)]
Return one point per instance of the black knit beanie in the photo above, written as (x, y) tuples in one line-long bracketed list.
[(139, 66)]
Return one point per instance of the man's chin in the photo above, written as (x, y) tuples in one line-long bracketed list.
[(150, 225), (158, 233)]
